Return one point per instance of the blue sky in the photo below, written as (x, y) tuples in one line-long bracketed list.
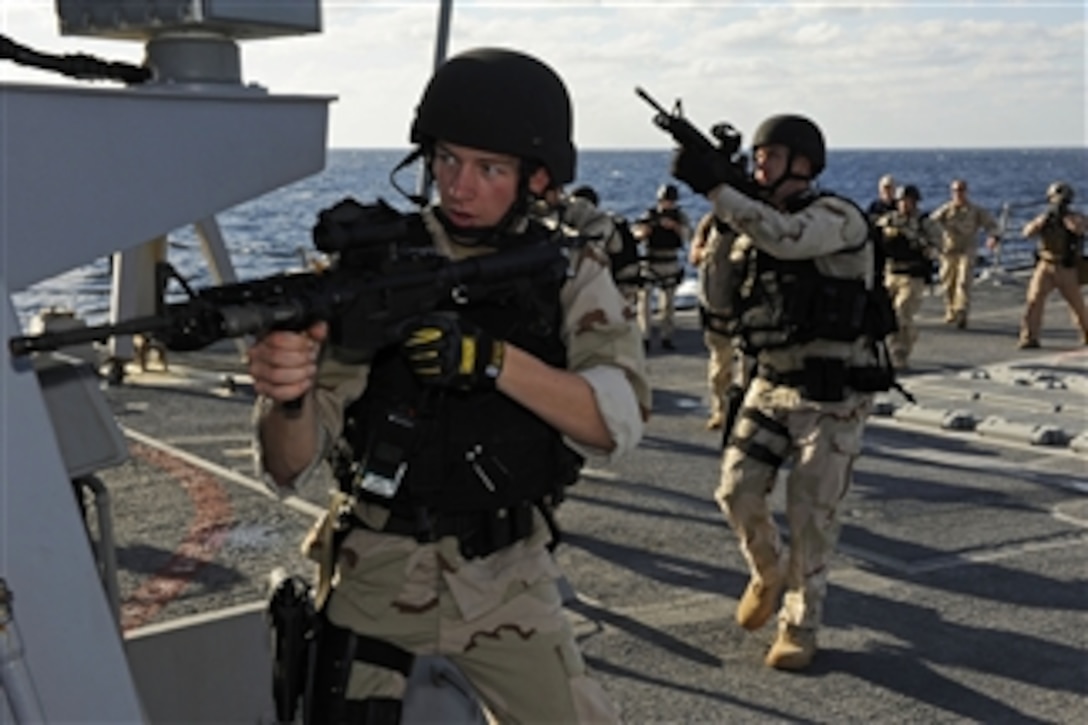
[(874, 75)]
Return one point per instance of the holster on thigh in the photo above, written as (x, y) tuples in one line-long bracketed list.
[(760, 437), (332, 652)]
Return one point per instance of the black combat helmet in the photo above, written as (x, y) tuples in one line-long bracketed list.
[(1059, 192), (588, 193), (797, 133), (668, 192), (500, 100), (910, 191)]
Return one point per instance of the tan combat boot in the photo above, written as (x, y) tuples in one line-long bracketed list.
[(793, 649), (760, 600)]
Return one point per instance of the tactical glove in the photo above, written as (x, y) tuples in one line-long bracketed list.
[(448, 350), (702, 170)]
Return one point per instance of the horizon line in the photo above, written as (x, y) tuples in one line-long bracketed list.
[(669, 149)]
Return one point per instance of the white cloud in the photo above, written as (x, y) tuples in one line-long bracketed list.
[(887, 74)]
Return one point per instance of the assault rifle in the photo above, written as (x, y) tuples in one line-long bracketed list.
[(731, 165), (384, 272)]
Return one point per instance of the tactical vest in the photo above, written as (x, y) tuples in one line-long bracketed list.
[(463, 451), (905, 252), (626, 257), (721, 272), (662, 243), (784, 302), (1057, 244)]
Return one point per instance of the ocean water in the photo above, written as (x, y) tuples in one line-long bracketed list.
[(267, 235)]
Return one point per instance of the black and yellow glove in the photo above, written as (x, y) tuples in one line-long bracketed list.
[(445, 349)]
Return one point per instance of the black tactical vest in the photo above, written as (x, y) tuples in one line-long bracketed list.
[(627, 254), (785, 302), (1057, 244), (465, 451), (662, 242), (906, 254)]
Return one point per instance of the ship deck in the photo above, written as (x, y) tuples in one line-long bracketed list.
[(958, 592)]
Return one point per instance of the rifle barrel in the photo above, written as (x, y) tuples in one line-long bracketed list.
[(650, 99), (50, 341)]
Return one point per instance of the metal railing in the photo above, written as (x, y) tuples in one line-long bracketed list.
[(1013, 251)]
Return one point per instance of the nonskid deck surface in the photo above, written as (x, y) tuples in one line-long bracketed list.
[(958, 592)]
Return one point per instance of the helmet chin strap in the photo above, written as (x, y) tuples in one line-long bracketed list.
[(491, 236), (770, 191), (417, 199)]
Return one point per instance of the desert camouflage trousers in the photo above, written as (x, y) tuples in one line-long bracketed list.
[(906, 294), (662, 279), (498, 618), (1046, 278), (957, 273), (819, 443), (719, 369), (666, 310)]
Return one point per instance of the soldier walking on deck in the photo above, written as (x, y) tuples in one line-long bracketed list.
[(664, 229), (1060, 231), (961, 220), (452, 444), (911, 243), (811, 270)]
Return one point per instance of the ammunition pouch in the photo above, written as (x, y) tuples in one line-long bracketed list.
[(792, 303), (826, 379), (333, 651), (478, 533)]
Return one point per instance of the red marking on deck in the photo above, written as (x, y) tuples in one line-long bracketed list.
[(212, 519)]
